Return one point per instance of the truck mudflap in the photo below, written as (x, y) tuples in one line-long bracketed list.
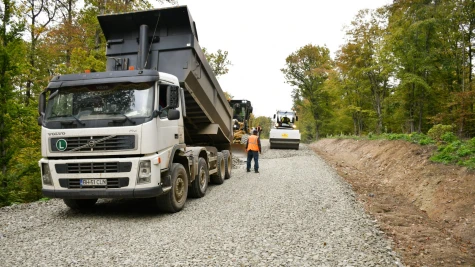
[(106, 193)]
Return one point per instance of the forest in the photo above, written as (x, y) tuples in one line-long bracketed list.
[(403, 68)]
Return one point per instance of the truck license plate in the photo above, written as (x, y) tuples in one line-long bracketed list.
[(87, 182)]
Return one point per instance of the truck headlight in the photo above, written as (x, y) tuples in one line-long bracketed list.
[(145, 172), (294, 126), (46, 174)]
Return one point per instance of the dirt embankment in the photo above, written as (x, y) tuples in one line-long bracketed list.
[(428, 209)]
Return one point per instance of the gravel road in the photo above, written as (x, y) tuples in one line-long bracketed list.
[(296, 212)]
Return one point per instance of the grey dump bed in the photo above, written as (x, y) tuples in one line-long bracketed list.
[(166, 40)]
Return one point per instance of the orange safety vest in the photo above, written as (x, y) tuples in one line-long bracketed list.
[(253, 144)]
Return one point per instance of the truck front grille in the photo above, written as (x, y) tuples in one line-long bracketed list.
[(93, 143), (93, 167), (111, 183)]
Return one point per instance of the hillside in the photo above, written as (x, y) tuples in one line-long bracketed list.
[(427, 209)]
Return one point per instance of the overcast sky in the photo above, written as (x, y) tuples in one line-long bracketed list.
[(259, 35)]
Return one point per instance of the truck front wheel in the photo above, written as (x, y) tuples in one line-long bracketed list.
[(80, 204), (200, 184), (175, 199)]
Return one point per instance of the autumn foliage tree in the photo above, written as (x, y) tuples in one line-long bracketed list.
[(306, 70)]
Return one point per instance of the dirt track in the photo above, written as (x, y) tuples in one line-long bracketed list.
[(428, 209)]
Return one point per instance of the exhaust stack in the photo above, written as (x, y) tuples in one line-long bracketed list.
[(143, 47)]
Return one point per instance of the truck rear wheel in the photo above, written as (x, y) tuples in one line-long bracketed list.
[(175, 199), (218, 177), (200, 184), (228, 164), (80, 204)]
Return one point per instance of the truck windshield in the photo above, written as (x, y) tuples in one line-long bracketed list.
[(101, 101)]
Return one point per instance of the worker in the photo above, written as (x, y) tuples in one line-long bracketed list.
[(286, 120), (253, 148)]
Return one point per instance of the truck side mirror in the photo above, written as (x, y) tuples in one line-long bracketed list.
[(296, 118), (172, 96), (173, 114), (274, 116), (41, 108), (42, 103)]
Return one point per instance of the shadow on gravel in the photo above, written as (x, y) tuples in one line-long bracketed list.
[(124, 208)]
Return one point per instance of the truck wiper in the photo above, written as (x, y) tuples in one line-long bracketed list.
[(68, 116), (125, 116)]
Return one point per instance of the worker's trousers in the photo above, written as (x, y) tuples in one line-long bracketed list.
[(253, 155)]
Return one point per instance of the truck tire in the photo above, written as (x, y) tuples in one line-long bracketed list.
[(218, 177), (80, 204), (200, 184), (228, 164), (175, 199)]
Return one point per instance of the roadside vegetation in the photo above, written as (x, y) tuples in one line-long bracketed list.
[(450, 148)]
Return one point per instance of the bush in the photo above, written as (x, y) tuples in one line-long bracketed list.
[(437, 131), (449, 137)]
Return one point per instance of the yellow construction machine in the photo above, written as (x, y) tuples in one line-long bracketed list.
[(242, 110)]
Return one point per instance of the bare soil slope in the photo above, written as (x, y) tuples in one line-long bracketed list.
[(428, 209)]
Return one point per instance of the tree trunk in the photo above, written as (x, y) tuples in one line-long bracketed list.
[(411, 109), (317, 134), (355, 124)]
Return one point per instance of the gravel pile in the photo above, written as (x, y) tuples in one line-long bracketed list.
[(237, 162), (295, 212)]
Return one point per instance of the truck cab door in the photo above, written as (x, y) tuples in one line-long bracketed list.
[(170, 130)]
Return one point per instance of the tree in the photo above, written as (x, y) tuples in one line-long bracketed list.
[(228, 95), (306, 70), (366, 63), (11, 54), (40, 14), (415, 39), (265, 123), (218, 61)]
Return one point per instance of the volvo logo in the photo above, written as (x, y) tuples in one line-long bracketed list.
[(57, 133), (91, 144)]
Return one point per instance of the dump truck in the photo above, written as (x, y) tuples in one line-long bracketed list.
[(242, 110), (284, 134), (156, 124)]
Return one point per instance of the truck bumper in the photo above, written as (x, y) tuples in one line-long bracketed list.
[(104, 193)]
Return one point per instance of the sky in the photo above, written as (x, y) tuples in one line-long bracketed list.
[(259, 35)]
